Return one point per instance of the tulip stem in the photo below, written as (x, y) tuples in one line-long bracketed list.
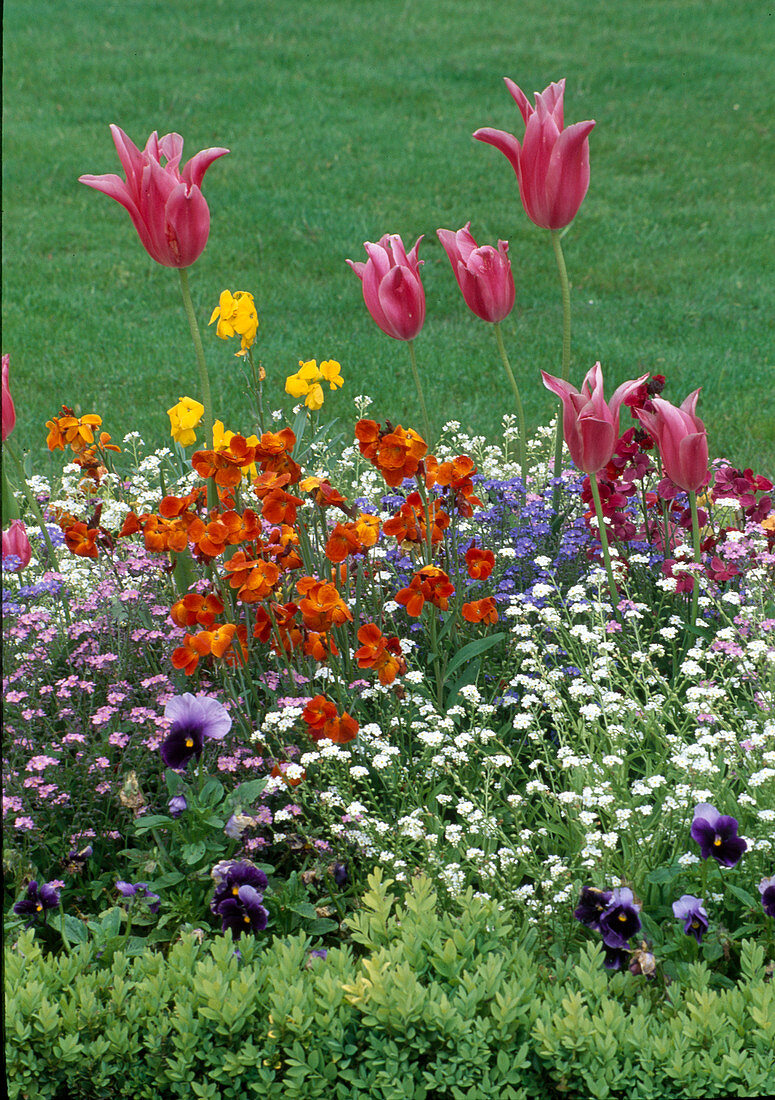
[(420, 394), (604, 543), (520, 410), (697, 557), (204, 378), (565, 286)]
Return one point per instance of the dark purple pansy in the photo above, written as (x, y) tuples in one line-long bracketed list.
[(37, 900), (615, 958), (716, 835), (689, 909), (193, 718), (619, 920), (243, 912), (767, 891), (232, 875), (139, 889), (592, 904), (340, 874)]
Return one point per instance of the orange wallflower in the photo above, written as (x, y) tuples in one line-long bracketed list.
[(355, 537), (409, 522), (320, 646), (218, 643), (195, 608), (480, 611), (323, 721), (321, 606), (431, 585), (380, 653), (397, 453), (479, 563), (273, 454), (82, 540), (70, 430), (280, 507), (455, 475), (225, 464), (324, 495)]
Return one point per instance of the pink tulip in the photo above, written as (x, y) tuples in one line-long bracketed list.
[(590, 425), (392, 290), (9, 412), (16, 544), (483, 274), (552, 165), (166, 205), (681, 438)]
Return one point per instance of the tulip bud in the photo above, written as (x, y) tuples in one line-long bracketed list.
[(392, 290), (9, 412), (483, 274), (682, 440), (552, 164), (16, 544)]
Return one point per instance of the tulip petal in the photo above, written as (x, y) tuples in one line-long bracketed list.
[(598, 440), (194, 169), (567, 174), (519, 97), (130, 156), (116, 188), (187, 218), (505, 142), (171, 148), (402, 301)]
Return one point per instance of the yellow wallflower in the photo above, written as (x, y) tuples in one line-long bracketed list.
[(236, 315), (184, 417), (306, 382)]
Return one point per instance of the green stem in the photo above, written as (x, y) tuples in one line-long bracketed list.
[(697, 557), (34, 506), (520, 410), (204, 378), (420, 394), (565, 286), (604, 543)]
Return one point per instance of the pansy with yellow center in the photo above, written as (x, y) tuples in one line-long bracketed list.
[(184, 417), (236, 315)]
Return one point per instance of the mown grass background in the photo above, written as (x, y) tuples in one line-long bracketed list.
[(347, 120)]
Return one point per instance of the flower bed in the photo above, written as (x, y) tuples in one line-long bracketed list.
[(247, 673)]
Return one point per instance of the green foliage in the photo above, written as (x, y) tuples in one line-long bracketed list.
[(440, 1005)]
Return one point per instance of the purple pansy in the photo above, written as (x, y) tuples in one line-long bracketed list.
[(767, 891), (37, 900), (231, 875), (177, 805), (716, 835), (340, 874), (620, 920), (243, 912), (690, 910), (592, 904), (615, 958), (193, 718), (139, 889)]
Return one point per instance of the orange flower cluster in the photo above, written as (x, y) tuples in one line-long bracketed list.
[(322, 720), (380, 653), (479, 563), (351, 538), (456, 476), (81, 540), (429, 585), (396, 453), (480, 611), (229, 641), (321, 606), (324, 495), (168, 531), (195, 608), (409, 524), (226, 464), (69, 430)]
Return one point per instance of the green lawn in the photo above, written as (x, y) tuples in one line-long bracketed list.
[(347, 120)]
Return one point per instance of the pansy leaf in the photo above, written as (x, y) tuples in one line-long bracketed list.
[(742, 895), (151, 821), (320, 926), (192, 853), (75, 930), (212, 791)]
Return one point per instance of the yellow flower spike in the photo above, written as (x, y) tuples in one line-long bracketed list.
[(184, 417), (296, 386), (332, 372)]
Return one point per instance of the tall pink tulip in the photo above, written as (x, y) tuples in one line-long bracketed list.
[(392, 289), (483, 274), (9, 412), (682, 440), (552, 164), (590, 424), (16, 544), (165, 203)]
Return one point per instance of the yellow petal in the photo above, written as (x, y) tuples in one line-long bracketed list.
[(314, 399), (296, 386)]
